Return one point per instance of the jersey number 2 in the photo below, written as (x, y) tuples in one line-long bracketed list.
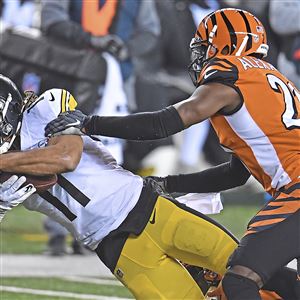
[(290, 96)]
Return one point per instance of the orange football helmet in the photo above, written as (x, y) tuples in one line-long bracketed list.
[(227, 31)]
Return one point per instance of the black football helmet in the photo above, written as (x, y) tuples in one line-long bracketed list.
[(11, 111)]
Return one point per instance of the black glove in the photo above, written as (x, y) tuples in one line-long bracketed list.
[(111, 44), (162, 183), (69, 122)]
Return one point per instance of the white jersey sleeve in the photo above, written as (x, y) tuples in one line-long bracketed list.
[(97, 196), (46, 108)]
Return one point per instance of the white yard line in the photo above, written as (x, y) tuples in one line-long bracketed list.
[(48, 266), (14, 289), (92, 280)]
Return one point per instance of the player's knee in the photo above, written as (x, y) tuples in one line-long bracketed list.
[(191, 237), (238, 287), (246, 273), (143, 288)]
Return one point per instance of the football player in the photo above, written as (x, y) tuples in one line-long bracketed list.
[(254, 110), (141, 235)]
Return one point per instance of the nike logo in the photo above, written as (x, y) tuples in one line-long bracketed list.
[(152, 221), (74, 124), (206, 75), (52, 97)]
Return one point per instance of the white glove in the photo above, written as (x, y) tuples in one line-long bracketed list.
[(11, 194)]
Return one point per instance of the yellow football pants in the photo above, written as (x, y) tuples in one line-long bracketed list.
[(149, 266)]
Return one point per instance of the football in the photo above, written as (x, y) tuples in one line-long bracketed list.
[(40, 182)]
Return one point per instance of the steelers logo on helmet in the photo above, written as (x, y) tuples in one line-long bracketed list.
[(11, 109), (227, 31)]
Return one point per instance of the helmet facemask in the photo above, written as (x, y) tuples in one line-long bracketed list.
[(12, 106), (201, 52), (198, 50), (10, 122)]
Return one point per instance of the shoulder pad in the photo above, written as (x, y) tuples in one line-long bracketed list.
[(57, 100), (62, 97), (219, 70)]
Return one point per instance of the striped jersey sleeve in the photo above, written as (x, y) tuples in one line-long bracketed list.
[(219, 70)]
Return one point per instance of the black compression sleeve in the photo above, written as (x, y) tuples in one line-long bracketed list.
[(216, 179), (140, 126)]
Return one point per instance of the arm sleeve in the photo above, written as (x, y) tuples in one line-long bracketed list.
[(140, 126), (216, 179)]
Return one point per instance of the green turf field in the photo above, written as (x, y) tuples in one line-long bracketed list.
[(21, 232), (58, 285)]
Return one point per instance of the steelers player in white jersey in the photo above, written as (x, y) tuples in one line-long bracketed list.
[(139, 234)]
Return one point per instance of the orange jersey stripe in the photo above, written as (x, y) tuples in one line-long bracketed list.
[(284, 208), (241, 149), (266, 222)]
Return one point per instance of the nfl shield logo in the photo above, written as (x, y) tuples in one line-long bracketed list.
[(259, 29)]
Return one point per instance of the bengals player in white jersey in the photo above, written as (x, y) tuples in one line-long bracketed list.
[(254, 110)]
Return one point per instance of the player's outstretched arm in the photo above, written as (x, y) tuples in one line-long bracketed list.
[(212, 180), (140, 126), (12, 193), (206, 101)]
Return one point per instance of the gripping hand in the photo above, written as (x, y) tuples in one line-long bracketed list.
[(12, 194), (69, 122), (161, 182)]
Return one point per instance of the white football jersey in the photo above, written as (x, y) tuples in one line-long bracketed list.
[(97, 196)]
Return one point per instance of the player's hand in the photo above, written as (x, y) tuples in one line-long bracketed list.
[(69, 122), (12, 194), (161, 181), (112, 44)]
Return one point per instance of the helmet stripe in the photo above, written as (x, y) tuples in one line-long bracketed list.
[(233, 38), (206, 32), (214, 22), (249, 42)]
